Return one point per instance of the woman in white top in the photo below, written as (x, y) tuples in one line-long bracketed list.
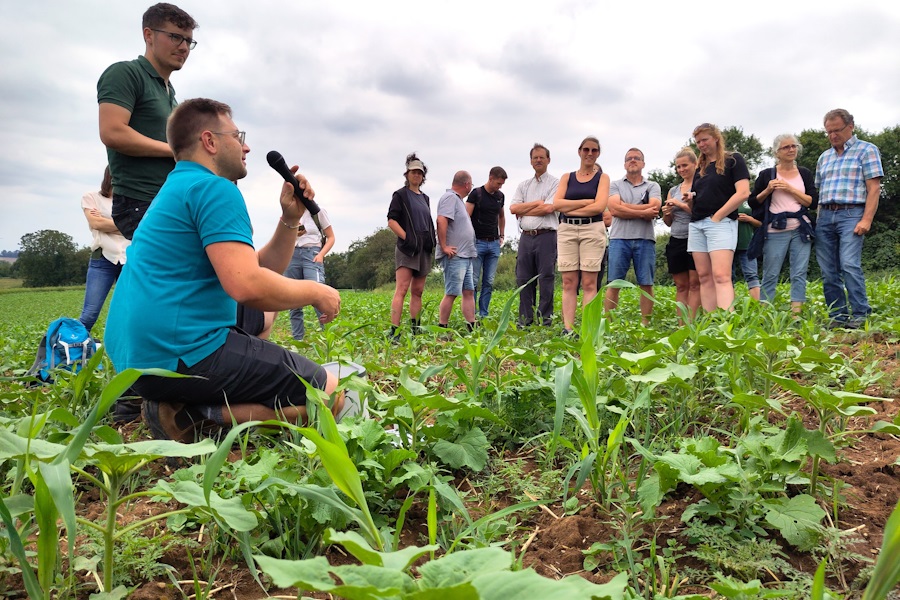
[(308, 261), (108, 250)]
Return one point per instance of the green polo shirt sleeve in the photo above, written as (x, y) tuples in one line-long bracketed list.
[(137, 87)]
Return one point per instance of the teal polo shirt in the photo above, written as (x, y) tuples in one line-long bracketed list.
[(136, 86), (168, 303)]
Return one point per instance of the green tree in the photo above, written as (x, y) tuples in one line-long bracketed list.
[(49, 258), (367, 264), (748, 145)]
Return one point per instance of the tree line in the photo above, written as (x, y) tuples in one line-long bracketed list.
[(51, 258)]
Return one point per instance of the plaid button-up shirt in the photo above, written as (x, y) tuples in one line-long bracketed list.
[(841, 179)]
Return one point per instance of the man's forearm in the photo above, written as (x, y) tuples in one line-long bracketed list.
[(276, 255)]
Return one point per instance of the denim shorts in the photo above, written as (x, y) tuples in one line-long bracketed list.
[(642, 253), (459, 275), (706, 236)]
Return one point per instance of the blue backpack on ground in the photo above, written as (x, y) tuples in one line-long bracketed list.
[(66, 345)]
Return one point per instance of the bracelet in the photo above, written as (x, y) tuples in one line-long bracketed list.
[(297, 226)]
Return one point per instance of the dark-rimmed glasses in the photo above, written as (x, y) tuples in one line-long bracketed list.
[(590, 150), (178, 39), (789, 147), (837, 131)]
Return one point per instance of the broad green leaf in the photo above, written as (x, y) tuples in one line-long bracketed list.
[(691, 470), (818, 445), (459, 567), (469, 450), (663, 374), (369, 579), (798, 519), (310, 574), (356, 545), (231, 510), (18, 550), (528, 584)]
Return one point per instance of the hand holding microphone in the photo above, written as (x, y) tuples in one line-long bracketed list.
[(276, 161)]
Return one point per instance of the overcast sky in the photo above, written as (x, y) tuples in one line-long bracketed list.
[(347, 89)]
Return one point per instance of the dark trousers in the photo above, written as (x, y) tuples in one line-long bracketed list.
[(536, 256), (127, 214)]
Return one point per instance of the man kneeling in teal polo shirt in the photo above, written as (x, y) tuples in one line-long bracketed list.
[(190, 263)]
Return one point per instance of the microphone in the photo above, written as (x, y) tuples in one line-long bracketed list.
[(276, 161)]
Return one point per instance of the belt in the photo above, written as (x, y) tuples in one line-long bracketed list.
[(534, 232), (840, 206), (489, 239), (580, 220)]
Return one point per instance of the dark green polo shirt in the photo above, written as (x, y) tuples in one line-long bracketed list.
[(136, 86)]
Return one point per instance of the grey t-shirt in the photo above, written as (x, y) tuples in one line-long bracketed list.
[(633, 229), (460, 232), (681, 219)]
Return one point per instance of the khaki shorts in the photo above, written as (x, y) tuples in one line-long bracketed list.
[(581, 247)]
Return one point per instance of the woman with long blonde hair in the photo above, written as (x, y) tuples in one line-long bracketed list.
[(721, 185), (677, 215)]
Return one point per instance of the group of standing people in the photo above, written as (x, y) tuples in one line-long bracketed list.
[(575, 223)]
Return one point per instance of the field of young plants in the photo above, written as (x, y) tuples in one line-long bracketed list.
[(745, 455)]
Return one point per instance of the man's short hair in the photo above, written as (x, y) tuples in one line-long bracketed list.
[(498, 173), (839, 113), (159, 14), (190, 119), (462, 178), (538, 147), (638, 150)]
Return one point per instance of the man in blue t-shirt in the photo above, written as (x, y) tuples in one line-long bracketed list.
[(190, 263)]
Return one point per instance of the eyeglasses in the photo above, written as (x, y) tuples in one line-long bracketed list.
[(178, 39), (590, 150), (634, 158), (789, 147), (836, 131), (240, 135)]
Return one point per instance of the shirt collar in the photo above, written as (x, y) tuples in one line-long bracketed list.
[(853, 139)]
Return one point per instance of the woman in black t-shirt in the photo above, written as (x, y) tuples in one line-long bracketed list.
[(721, 184), (409, 217)]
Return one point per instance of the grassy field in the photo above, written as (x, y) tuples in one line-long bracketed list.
[(729, 457)]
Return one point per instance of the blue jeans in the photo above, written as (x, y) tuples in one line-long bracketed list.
[(622, 253), (485, 265), (101, 276), (749, 267), (779, 245), (839, 252), (303, 267)]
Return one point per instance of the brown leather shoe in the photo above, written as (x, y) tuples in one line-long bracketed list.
[(171, 421)]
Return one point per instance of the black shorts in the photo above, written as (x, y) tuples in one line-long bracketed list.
[(679, 259), (127, 214), (245, 370), (250, 320)]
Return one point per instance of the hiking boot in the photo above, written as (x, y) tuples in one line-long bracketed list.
[(127, 410), (172, 421)]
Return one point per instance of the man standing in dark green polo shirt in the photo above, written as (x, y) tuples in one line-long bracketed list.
[(135, 100)]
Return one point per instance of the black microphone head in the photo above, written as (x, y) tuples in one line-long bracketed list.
[(274, 157)]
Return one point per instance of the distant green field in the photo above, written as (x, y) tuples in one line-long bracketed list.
[(6, 283)]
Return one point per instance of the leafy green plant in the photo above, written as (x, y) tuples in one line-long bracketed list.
[(481, 573)]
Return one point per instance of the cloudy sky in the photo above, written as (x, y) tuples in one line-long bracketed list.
[(347, 89)]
